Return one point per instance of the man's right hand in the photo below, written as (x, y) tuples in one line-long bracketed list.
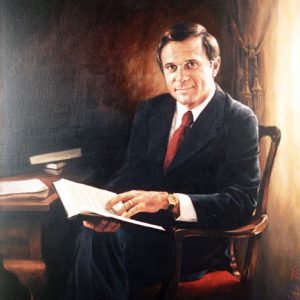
[(103, 225)]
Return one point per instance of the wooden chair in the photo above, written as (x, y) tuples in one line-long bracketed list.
[(223, 284)]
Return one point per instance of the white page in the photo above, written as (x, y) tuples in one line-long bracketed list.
[(79, 198), (22, 186)]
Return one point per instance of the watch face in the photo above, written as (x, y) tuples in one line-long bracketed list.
[(173, 200)]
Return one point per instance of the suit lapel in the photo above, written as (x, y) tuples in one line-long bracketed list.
[(204, 130), (160, 125)]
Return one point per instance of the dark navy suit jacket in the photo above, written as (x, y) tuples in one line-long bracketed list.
[(217, 166)]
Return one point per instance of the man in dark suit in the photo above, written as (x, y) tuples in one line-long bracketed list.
[(192, 159)]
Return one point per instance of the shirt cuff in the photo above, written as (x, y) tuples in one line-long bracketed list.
[(187, 210)]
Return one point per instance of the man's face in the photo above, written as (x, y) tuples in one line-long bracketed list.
[(188, 72)]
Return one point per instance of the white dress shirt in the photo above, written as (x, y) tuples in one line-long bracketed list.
[(187, 210)]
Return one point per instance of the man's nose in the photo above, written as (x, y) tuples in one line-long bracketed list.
[(181, 75)]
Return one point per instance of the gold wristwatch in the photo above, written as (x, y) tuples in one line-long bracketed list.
[(173, 201)]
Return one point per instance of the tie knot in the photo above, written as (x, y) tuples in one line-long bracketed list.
[(187, 119)]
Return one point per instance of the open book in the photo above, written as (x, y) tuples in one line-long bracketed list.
[(82, 199)]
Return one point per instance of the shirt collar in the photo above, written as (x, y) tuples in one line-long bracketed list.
[(196, 111)]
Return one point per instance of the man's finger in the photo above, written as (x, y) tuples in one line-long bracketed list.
[(111, 227), (134, 205), (134, 210), (88, 224), (119, 198), (126, 206), (123, 197), (103, 226)]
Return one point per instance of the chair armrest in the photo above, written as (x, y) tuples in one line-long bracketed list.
[(255, 227)]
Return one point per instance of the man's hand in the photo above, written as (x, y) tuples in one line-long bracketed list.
[(139, 201), (103, 225)]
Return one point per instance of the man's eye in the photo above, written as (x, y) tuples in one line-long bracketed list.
[(191, 65), (171, 68)]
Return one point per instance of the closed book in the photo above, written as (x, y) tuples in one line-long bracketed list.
[(53, 171), (55, 156), (55, 166)]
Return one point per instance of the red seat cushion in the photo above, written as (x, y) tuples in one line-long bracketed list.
[(214, 285), (218, 285)]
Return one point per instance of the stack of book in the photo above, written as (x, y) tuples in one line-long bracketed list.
[(55, 168), (55, 161)]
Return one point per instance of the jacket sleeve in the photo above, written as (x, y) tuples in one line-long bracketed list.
[(235, 198)]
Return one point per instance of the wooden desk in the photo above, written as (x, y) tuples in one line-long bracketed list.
[(21, 220)]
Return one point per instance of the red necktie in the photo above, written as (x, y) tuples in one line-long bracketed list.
[(178, 138)]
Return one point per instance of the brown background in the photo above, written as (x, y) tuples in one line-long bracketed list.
[(75, 70)]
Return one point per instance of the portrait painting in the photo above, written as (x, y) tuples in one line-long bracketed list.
[(78, 74)]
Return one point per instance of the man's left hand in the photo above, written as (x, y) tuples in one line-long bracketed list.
[(139, 201), (102, 225)]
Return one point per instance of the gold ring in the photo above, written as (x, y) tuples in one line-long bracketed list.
[(131, 203)]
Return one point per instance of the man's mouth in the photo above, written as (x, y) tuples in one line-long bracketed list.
[(183, 89)]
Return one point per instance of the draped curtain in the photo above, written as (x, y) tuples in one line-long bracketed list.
[(281, 246), (249, 21)]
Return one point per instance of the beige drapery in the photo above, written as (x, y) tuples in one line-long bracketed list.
[(249, 22), (281, 246)]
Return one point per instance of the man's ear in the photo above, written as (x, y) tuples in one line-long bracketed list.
[(216, 63)]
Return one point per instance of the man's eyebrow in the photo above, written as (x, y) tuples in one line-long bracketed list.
[(192, 60), (169, 63), (187, 61)]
